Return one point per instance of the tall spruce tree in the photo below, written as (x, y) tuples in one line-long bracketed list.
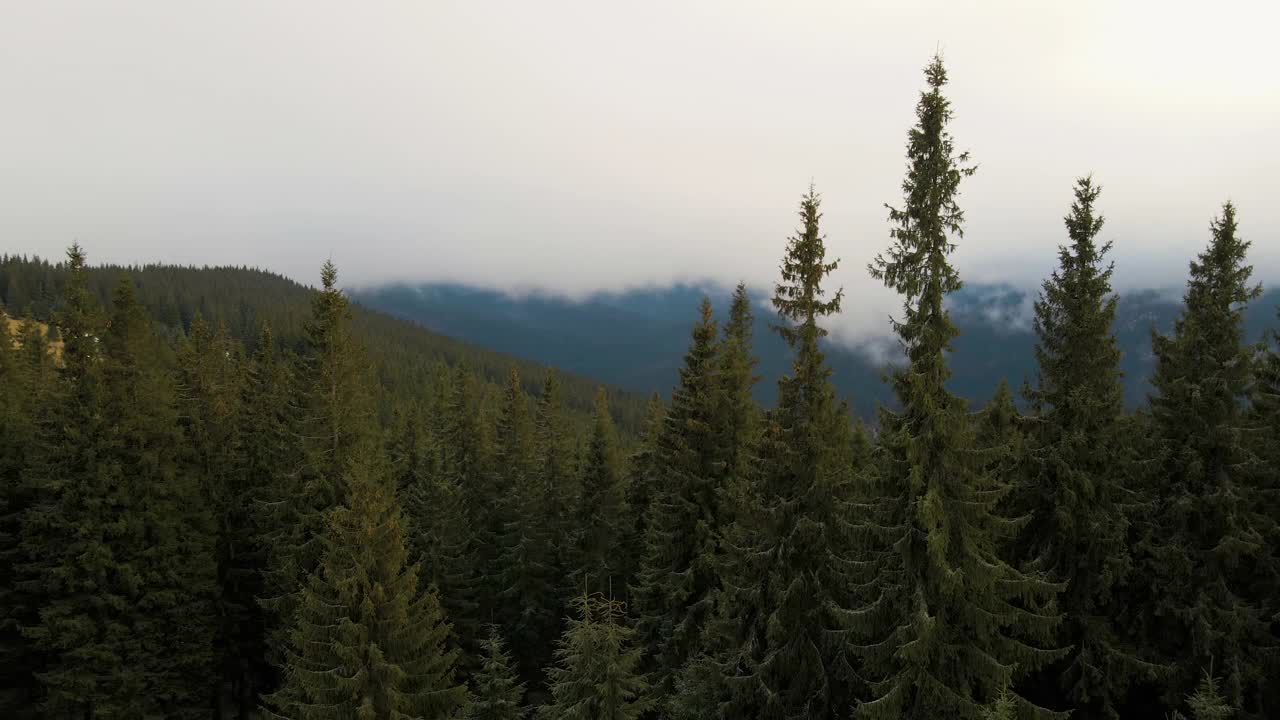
[(597, 672), (1206, 545), (1076, 490), (524, 578), (678, 572), (1266, 441), (947, 622), (560, 487), (601, 509), (738, 415), (779, 647), (496, 694), (267, 463), (466, 461), (118, 544), (366, 642), (25, 370), (333, 423), (209, 392), (642, 487)]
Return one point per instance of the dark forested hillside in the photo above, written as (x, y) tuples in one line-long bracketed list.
[(243, 298)]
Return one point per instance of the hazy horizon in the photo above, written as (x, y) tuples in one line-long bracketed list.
[(572, 148)]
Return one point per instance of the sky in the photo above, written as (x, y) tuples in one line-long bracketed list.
[(578, 146)]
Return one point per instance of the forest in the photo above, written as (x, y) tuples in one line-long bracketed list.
[(223, 495)]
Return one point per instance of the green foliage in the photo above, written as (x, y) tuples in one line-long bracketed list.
[(404, 354), (25, 373), (496, 693), (780, 639), (601, 509), (210, 381), (333, 423), (117, 543), (643, 484), (366, 642), (597, 670), (947, 622), (678, 571), (1206, 703), (1076, 489), (1206, 545), (524, 577)]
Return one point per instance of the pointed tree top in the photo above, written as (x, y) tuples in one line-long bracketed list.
[(329, 275), (936, 72)]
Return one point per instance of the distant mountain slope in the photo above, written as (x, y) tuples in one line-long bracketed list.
[(404, 354), (636, 339)]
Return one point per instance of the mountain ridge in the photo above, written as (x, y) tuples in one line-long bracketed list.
[(635, 338)]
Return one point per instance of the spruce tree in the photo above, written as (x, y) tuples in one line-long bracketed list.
[(267, 463), (524, 577), (466, 471), (209, 414), (441, 542), (597, 672), (118, 542), (947, 623), (738, 421), (1266, 444), (333, 422), (1075, 492), (560, 486), (780, 648), (642, 486), (366, 642), (1207, 703), (508, 488), (1206, 545), (496, 693), (24, 375), (601, 509), (678, 573)]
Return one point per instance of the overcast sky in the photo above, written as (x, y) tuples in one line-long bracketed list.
[(586, 145)]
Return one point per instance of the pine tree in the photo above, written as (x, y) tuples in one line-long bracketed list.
[(642, 487), (496, 693), (738, 420), (1075, 494), (333, 421), (779, 644), (509, 493), (678, 572), (118, 542), (466, 474), (1206, 545), (597, 672), (210, 398), (947, 621), (366, 642), (1266, 443), (601, 509), (441, 542), (560, 487), (267, 461), (1207, 703), (24, 375), (524, 577)]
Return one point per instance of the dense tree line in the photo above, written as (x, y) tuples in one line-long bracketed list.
[(199, 518)]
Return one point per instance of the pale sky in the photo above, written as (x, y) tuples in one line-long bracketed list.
[(576, 146)]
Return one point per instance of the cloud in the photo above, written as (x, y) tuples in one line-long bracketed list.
[(577, 146)]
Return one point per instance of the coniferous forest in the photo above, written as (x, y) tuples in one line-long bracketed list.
[(278, 508)]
